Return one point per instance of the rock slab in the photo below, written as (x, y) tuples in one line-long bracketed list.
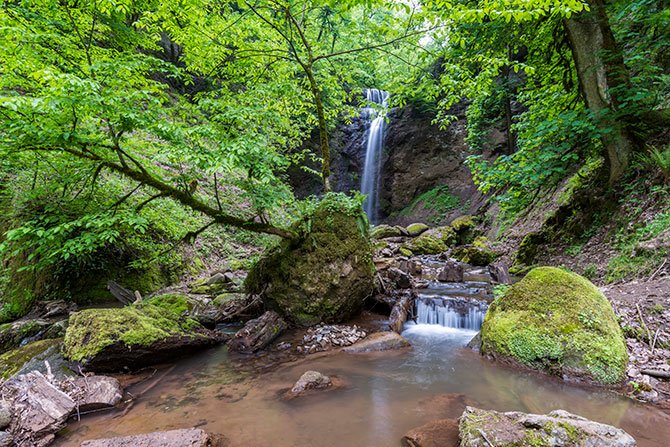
[(40, 409), (190, 437), (94, 392), (379, 341), (483, 428), (439, 433), (311, 380)]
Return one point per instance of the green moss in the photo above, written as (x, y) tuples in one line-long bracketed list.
[(425, 245), (559, 322), (11, 362), (445, 234), (324, 276), (477, 253), (92, 330), (438, 201), (11, 334), (463, 223), (406, 252), (384, 231), (227, 297), (416, 229), (178, 303)]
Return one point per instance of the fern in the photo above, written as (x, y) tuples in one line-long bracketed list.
[(659, 158)]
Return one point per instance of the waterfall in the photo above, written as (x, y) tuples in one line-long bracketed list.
[(373, 152), (455, 313)]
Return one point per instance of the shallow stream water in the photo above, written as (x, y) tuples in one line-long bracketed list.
[(386, 394)]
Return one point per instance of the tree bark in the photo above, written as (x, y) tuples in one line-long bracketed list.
[(400, 312), (258, 333), (602, 77), (323, 129)]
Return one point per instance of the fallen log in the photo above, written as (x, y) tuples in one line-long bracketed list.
[(656, 373), (258, 333), (400, 311), (123, 295)]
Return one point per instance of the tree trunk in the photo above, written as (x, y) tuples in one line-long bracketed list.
[(400, 312), (602, 77), (323, 129)]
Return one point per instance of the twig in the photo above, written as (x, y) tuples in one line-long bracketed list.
[(658, 271), (644, 325), (653, 344), (481, 432)]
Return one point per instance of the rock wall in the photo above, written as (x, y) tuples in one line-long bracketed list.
[(418, 157)]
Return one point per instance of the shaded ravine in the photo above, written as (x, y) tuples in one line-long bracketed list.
[(386, 394)]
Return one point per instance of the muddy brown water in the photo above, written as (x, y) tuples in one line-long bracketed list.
[(386, 394)]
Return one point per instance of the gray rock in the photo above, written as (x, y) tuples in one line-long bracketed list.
[(451, 272), (483, 428), (6, 439), (5, 414), (379, 341), (94, 392), (190, 437), (311, 380), (400, 279), (40, 409)]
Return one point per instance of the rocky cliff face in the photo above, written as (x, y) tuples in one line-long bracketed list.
[(423, 172)]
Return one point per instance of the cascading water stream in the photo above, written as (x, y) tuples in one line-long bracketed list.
[(373, 152), (457, 313)]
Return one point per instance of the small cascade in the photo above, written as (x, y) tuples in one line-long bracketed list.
[(373, 152), (457, 313)]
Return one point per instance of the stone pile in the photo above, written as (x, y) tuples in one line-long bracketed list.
[(324, 337)]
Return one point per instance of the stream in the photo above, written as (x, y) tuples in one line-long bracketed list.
[(385, 394)]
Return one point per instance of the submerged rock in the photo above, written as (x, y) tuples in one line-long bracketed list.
[(40, 409), (439, 433), (188, 437), (327, 274), (310, 380), (379, 341), (146, 333), (558, 322), (482, 428)]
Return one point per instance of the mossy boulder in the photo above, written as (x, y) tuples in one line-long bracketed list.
[(134, 336), (325, 275), (425, 245), (416, 229), (445, 234), (465, 229), (384, 231), (12, 361), (12, 334), (557, 322), (478, 253)]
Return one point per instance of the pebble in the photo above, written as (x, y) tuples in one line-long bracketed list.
[(324, 337)]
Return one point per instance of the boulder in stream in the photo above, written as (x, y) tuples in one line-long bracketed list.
[(134, 336), (451, 272), (310, 380), (258, 333), (324, 276), (558, 322), (94, 392), (188, 437), (439, 433), (484, 428), (379, 341)]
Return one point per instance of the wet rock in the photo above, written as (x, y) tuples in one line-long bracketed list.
[(557, 322), (311, 380), (134, 336), (464, 227), (13, 334), (324, 276), (29, 357), (399, 279), (379, 341), (94, 392), (189, 437), (440, 433), (499, 273), (411, 267), (400, 311), (451, 272), (258, 333), (476, 343), (324, 337), (40, 409), (483, 428)]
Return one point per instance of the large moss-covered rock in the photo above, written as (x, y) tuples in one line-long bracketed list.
[(416, 229), (425, 244), (478, 253), (384, 231), (133, 336), (465, 229), (558, 322), (327, 274)]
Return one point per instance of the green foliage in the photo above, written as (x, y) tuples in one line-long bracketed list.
[(439, 201), (658, 159)]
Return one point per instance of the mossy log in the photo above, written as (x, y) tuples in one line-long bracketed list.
[(258, 333)]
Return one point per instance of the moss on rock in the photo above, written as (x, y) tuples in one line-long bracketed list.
[(558, 322), (11, 362), (324, 276), (384, 231), (477, 253), (416, 229), (93, 330), (425, 244), (12, 334), (445, 234), (464, 227)]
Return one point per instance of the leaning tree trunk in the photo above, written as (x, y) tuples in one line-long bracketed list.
[(602, 78)]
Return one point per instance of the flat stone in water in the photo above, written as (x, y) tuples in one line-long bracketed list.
[(191, 437), (379, 341)]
